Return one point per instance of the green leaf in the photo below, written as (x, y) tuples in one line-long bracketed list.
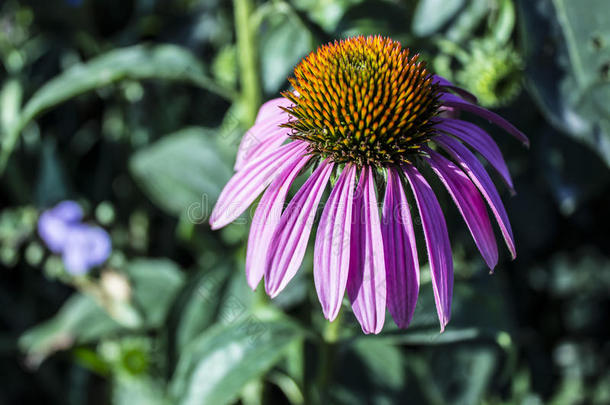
[(137, 391), (10, 103), (182, 173), (167, 62), (431, 15), (215, 367), (285, 42), (323, 12), (198, 305), (369, 372), (155, 285), (569, 73), (377, 18), (80, 320), (478, 314)]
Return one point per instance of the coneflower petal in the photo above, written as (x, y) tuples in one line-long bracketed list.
[(366, 285), (266, 220), (471, 165), (271, 110), (245, 186), (400, 251), (451, 100), (480, 141), (469, 203), (260, 147), (332, 248), (290, 238), (257, 140), (466, 95), (437, 242)]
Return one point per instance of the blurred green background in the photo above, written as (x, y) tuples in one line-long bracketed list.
[(135, 108)]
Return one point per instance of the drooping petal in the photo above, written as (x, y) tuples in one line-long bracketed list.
[(266, 132), (437, 242), (454, 101), (471, 165), (366, 285), (332, 249), (245, 185), (469, 203), (258, 138), (466, 95), (261, 146), (266, 220), (481, 141), (400, 251), (271, 109), (289, 241)]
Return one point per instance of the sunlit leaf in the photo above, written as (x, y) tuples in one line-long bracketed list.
[(216, 366), (80, 320), (431, 15), (283, 44)]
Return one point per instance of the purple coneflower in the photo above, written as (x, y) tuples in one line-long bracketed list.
[(365, 115)]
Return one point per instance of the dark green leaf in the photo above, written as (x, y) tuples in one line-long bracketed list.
[(182, 173), (198, 305), (167, 62), (567, 49), (155, 285), (139, 62)]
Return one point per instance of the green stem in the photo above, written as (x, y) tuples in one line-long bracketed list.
[(248, 61), (330, 337)]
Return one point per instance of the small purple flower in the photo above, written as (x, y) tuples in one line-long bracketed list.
[(54, 223), (82, 246), (368, 115)]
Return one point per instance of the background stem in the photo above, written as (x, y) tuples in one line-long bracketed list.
[(330, 337), (248, 61)]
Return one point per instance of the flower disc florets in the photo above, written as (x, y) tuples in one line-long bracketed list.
[(363, 100)]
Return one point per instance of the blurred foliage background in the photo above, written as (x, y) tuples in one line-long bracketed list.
[(134, 109)]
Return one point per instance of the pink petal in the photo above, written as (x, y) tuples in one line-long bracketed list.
[(271, 109), (454, 101), (332, 249), (366, 285), (245, 186), (400, 251), (469, 203), (289, 241), (258, 138), (266, 220), (437, 243), (267, 125), (480, 140), (471, 165)]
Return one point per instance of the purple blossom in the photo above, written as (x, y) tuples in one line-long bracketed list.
[(81, 246), (355, 122)]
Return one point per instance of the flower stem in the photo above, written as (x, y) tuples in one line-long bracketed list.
[(248, 61), (330, 337)]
